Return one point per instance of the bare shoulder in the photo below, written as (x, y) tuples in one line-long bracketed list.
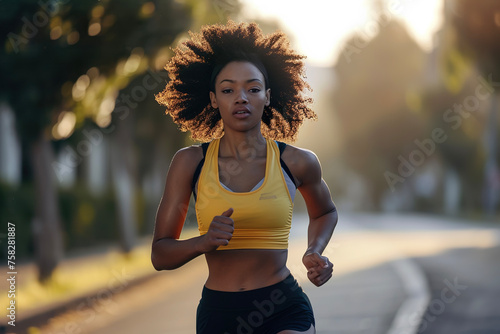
[(189, 154), (186, 160), (301, 155), (303, 163)]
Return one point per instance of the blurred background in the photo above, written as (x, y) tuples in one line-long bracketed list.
[(406, 92)]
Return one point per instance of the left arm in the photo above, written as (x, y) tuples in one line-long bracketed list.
[(322, 212)]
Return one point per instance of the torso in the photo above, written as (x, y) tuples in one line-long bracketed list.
[(244, 269)]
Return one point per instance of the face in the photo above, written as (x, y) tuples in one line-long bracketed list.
[(240, 95)]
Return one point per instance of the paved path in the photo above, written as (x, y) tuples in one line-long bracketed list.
[(373, 290), (465, 288)]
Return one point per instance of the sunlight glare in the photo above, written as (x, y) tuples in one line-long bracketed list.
[(319, 28)]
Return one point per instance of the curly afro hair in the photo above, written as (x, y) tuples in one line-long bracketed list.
[(192, 67)]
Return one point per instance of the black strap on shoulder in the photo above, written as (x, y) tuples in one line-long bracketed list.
[(197, 172), (204, 147), (282, 147)]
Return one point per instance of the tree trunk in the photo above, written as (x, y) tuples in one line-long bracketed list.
[(122, 173), (154, 180), (10, 147), (491, 170), (46, 223)]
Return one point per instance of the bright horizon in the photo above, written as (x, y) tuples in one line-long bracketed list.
[(340, 19)]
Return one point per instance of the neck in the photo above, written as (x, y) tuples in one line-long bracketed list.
[(242, 145)]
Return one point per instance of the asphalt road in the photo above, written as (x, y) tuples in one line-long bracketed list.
[(465, 288), (386, 266)]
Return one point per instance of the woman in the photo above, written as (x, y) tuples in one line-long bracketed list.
[(241, 91)]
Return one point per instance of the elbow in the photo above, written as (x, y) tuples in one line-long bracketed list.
[(159, 265), (335, 216), (155, 262), (333, 213), (158, 260)]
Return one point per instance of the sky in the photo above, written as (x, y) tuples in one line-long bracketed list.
[(320, 26)]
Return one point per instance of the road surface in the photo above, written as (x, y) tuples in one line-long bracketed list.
[(394, 274)]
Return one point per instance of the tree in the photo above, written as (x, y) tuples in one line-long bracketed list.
[(477, 23), (47, 48), (375, 82)]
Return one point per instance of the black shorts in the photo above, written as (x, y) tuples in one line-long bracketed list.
[(267, 310)]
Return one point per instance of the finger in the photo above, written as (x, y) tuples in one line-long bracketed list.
[(328, 268), (323, 261), (321, 281), (221, 234), (324, 280), (318, 260), (312, 274), (228, 212), (222, 242), (223, 226), (319, 274), (325, 275), (223, 220)]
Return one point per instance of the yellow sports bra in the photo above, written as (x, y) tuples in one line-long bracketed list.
[(262, 217)]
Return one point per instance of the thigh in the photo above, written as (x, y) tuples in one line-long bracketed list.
[(295, 314)]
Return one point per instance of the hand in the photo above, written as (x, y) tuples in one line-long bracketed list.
[(219, 232), (319, 268)]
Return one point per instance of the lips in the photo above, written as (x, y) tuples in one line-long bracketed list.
[(241, 112)]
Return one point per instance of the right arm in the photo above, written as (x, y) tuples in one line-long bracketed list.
[(167, 251)]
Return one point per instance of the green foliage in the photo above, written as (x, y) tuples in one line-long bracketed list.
[(47, 46), (88, 219), (17, 207), (477, 23), (50, 43)]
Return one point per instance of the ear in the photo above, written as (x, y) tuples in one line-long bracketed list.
[(213, 100), (268, 97)]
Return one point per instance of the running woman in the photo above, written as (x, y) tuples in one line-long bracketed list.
[(242, 93)]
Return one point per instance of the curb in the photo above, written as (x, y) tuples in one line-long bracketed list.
[(409, 315)]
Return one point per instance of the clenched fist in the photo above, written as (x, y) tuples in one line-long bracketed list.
[(219, 232), (319, 268)]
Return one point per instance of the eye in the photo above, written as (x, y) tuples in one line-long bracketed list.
[(226, 91), (255, 90)]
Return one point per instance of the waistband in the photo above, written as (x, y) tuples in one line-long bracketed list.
[(287, 289)]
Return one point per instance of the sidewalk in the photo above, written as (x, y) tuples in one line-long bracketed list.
[(80, 279)]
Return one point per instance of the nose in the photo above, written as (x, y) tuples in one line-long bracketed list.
[(241, 98)]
